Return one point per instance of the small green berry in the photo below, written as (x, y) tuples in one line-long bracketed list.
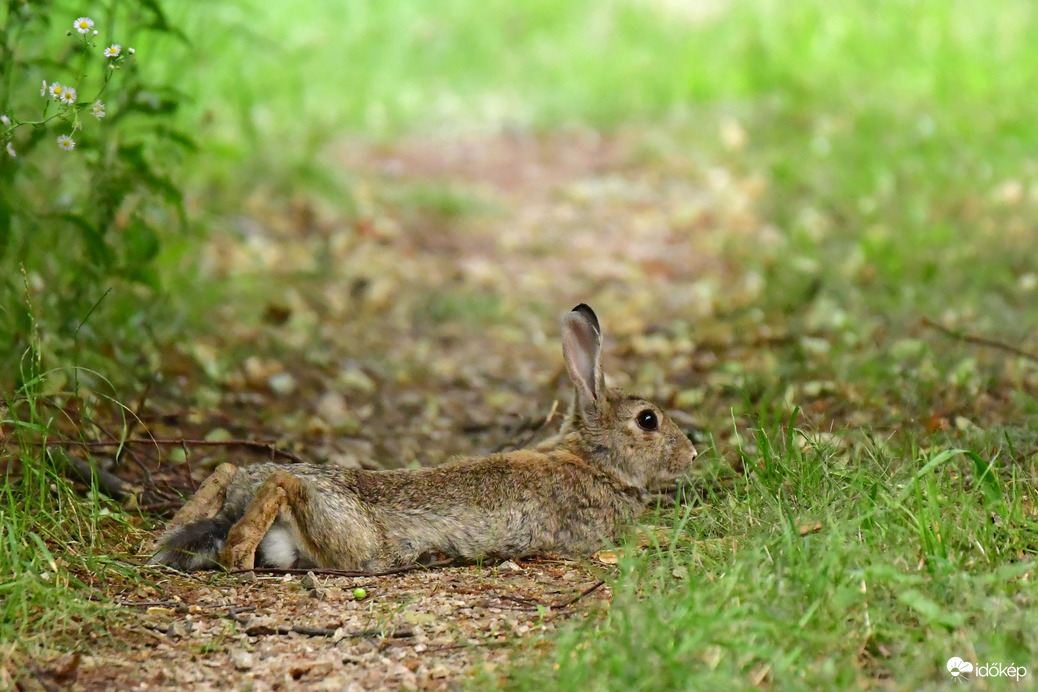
[(360, 594)]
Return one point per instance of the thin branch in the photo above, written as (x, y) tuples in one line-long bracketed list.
[(261, 630), (109, 483), (254, 444), (153, 507), (179, 606), (133, 455), (586, 592), (329, 572), (978, 340), (534, 604)]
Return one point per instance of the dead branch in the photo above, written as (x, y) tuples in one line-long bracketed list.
[(181, 607), (133, 455), (253, 444), (263, 630), (978, 340), (109, 483), (534, 604), (327, 571), (586, 592)]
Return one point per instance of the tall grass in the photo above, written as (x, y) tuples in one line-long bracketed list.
[(828, 572)]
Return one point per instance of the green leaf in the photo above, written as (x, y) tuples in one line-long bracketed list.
[(145, 275), (986, 478), (182, 138), (97, 249), (160, 23), (5, 226), (133, 155), (929, 609), (142, 243)]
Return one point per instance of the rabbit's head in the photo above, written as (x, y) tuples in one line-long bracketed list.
[(629, 437)]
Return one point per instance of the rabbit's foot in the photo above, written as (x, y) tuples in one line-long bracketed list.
[(207, 501), (239, 552)]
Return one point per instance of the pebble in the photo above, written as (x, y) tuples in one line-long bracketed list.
[(242, 660)]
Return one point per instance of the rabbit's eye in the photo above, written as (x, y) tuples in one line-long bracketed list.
[(648, 421)]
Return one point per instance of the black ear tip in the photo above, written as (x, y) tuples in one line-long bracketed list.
[(585, 311)]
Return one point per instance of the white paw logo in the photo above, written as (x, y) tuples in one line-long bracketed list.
[(956, 666)]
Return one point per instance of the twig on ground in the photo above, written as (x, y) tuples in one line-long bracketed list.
[(305, 630), (109, 483), (254, 444), (490, 643), (534, 604), (181, 607), (344, 572), (158, 506), (978, 340), (133, 455), (235, 611), (43, 683), (586, 592), (176, 605)]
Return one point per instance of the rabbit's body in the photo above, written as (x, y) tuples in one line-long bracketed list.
[(507, 505), (568, 500)]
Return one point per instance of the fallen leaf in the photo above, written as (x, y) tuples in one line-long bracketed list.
[(645, 539), (810, 528), (218, 435)]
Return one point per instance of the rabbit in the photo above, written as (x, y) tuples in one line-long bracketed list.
[(596, 478)]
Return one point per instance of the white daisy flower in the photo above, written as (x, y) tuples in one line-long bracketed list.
[(66, 142), (5, 120), (113, 50), (56, 89), (10, 150), (98, 110), (83, 25), (68, 95)]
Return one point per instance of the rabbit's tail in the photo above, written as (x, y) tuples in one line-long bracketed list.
[(194, 546)]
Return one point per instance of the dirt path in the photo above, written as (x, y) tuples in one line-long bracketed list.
[(419, 325), (422, 630)]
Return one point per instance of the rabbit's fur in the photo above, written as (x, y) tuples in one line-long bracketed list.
[(570, 499)]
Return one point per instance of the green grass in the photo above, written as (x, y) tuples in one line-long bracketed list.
[(821, 568), (58, 549)]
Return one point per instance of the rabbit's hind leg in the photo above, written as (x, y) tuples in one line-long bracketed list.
[(207, 500), (239, 552)]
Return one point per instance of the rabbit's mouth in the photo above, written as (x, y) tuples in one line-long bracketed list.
[(669, 481)]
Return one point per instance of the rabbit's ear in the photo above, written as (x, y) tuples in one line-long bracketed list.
[(582, 350)]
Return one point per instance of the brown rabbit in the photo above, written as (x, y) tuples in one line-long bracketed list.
[(569, 499)]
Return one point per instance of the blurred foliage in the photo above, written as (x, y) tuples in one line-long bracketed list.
[(88, 188)]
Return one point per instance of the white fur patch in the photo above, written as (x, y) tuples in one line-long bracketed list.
[(279, 546)]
